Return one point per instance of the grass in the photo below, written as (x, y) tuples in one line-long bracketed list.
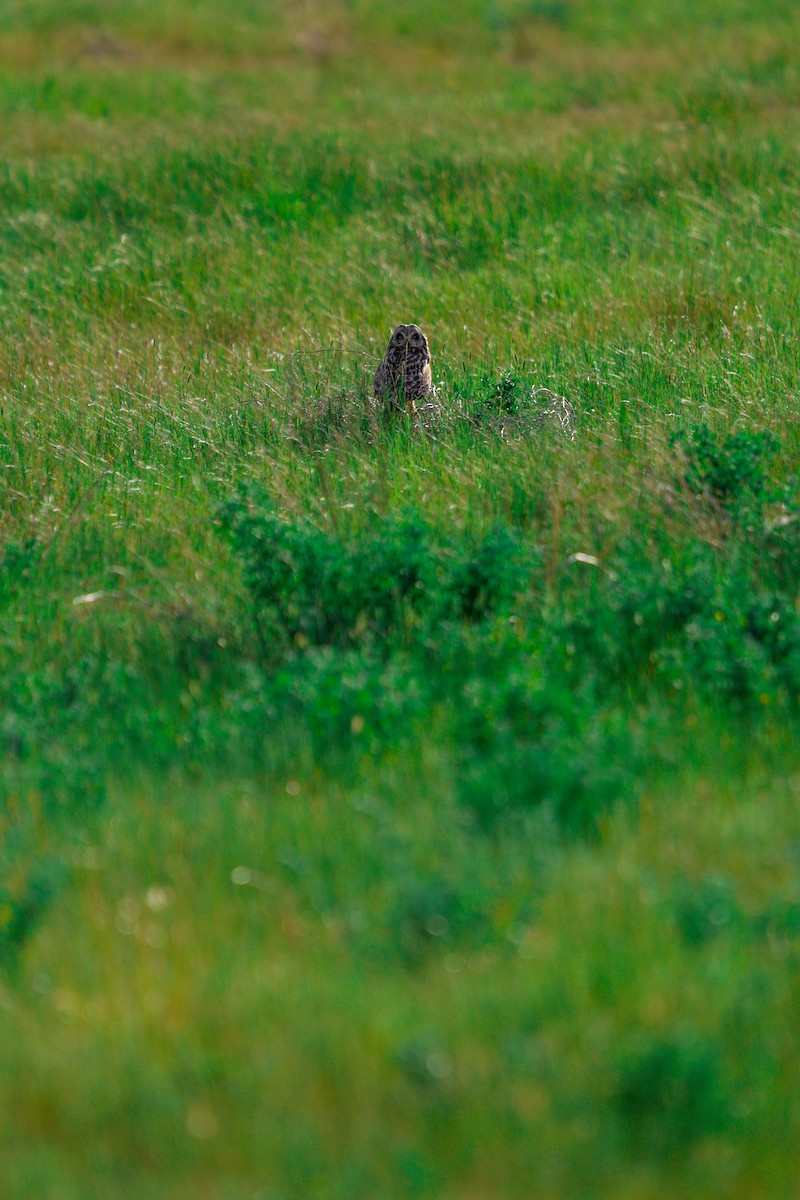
[(396, 810)]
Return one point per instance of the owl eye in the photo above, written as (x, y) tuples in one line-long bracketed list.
[(398, 337), (416, 339)]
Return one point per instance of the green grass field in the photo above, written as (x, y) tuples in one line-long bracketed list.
[(396, 810)]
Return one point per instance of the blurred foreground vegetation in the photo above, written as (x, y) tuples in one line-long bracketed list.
[(401, 809)]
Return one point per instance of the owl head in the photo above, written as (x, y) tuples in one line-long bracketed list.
[(409, 339)]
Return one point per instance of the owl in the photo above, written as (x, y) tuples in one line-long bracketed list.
[(404, 375)]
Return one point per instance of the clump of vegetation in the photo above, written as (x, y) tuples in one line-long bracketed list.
[(394, 580), (26, 892), (671, 1093), (729, 471), (543, 694)]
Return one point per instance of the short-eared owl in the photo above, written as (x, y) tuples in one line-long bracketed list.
[(404, 375)]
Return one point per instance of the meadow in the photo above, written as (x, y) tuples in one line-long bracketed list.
[(399, 808)]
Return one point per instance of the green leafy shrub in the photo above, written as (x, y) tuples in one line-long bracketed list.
[(485, 580), (318, 590), (16, 562), (527, 742), (315, 589), (617, 625), (550, 700), (698, 623), (730, 471), (780, 919), (670, 1093), (23, 901), (508, 14), (428, 913), (706, 909)]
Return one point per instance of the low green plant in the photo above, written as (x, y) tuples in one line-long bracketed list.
[(729, 471), (553, 701), (671, 1092), (25, 896)]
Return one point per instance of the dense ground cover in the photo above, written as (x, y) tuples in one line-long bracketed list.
[(393, 810)]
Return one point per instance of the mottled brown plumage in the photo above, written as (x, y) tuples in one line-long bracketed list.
[(404, 375)]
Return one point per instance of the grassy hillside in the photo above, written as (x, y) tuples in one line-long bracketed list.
[(399, 809)]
